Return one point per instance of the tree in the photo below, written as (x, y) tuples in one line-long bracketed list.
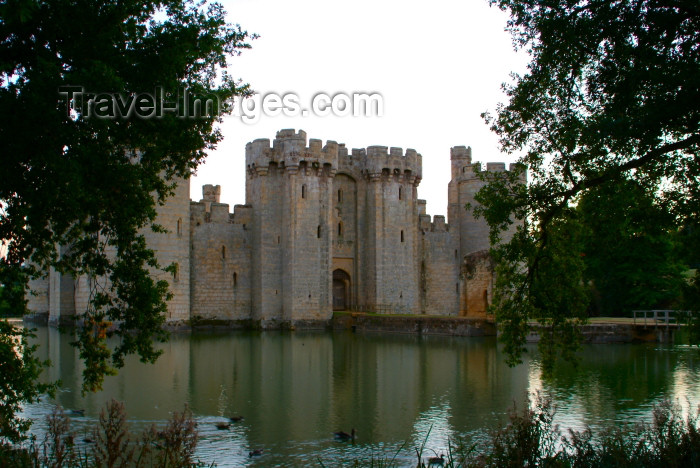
[(12, 292), (19, 367), (631, 254), (103, 105), (612, 92)]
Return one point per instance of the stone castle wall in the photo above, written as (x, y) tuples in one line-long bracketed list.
[(38, 296), (440, 281), (220, 262), (323, 228), (173, 248), (478, 278)]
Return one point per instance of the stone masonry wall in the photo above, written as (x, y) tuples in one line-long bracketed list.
[(351, 249), (477, 292), (173, 247), (38, 296), (392, 230), (440, 283), (266, 265), (344, 225), (306, 242), (474, 233), (288, 187), (220, 275), (61, 294)]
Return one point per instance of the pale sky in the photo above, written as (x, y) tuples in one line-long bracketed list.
[(437, 65)]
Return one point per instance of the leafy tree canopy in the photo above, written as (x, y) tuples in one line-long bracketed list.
[(88, 176), (631, 250), (612, 93)]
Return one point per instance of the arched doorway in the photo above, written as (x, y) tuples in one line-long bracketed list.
[(341, 290)]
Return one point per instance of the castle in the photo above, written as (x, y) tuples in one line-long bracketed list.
[(323, 229)]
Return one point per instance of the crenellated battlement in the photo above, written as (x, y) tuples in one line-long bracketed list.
[(378, 162), (210, 210), (204, 212), (460, 157), (211, 193), (434, 224), (463, 169), (470, 172), (242, 214), (421, 206), (461, 153), (289, 150)]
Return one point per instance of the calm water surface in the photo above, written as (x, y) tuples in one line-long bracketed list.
[(296, 389)]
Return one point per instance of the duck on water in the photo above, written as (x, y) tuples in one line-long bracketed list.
[(344, 436)]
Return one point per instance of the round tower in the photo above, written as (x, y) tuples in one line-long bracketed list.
[(474, 233), (392, 242), (289, 186), (461, 161)]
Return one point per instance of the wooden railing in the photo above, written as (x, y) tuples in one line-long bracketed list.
[(657, 317)]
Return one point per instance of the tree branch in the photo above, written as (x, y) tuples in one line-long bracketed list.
[(629, 165)]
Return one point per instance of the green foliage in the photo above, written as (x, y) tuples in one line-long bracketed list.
[(19, 371), (691, 299), (631, 258), (539, 279), (12, 290), (89, 184), (611, 95), (689, 241)]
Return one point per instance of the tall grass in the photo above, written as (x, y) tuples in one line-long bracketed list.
[(531, 439), (110, 445)]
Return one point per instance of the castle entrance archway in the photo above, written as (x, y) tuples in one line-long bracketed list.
[(341, 290)]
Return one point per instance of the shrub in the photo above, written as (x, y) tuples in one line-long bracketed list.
[(111, 446)]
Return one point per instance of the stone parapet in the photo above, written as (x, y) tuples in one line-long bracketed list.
[(470, 171), (437, 223), (381, 162), (289, 150)]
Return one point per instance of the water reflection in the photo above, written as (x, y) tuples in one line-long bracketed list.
[(295, 389)]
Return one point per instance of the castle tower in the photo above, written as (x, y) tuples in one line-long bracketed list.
[(473, 233), (476, 284), (391, 241), (461, 161), (289, 186)]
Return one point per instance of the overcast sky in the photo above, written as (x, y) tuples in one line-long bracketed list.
[(437, 65)]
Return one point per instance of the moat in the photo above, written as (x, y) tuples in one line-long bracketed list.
[(295, 389)]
